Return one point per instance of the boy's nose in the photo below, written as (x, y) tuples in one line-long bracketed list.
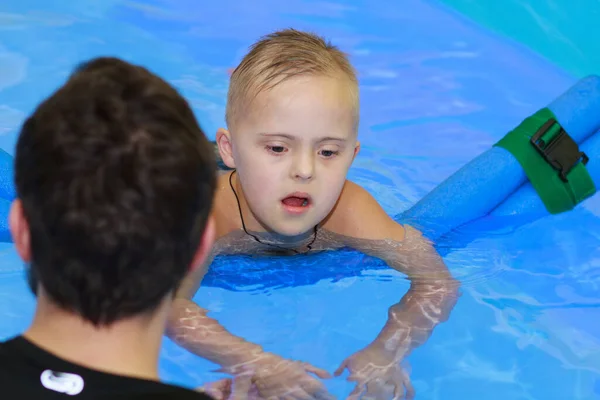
[(303, 168), (304, 175)]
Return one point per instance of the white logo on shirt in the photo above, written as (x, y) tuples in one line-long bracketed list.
[(62, 382)]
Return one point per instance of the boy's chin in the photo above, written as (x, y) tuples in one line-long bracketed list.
[(295, 230)]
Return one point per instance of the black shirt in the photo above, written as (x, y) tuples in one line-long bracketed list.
[(29, 372)]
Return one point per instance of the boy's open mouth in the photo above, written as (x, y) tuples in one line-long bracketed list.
[(297, 200)]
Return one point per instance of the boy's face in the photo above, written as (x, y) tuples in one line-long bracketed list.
[(293, 151)]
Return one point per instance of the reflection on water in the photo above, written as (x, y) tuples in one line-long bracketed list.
[(548, 298)]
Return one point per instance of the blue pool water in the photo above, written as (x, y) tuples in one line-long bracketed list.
[(437, 90)]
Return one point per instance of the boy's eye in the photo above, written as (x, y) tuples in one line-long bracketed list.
[(276, 149), (328, 153)]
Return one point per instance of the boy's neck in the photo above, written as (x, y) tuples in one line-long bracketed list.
[(130, 347)]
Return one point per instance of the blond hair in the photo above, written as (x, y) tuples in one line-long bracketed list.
[(283, 55)]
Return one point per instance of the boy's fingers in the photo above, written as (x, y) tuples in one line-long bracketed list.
[(341, 368), (219, 390), (357, 392), (321, 373), (241, 387), (398, 392), (409, 392)]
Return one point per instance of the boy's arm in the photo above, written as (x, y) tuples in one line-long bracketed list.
[(191, 328), (275, 377), (365, 226)]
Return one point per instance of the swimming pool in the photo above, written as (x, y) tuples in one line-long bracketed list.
[(437, 90)]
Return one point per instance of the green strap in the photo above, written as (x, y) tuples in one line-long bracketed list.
[(557, 194)]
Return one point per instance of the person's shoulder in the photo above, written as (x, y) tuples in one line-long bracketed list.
[(5, 357), (7, 350), (140, 389), (163, 391), (27, 371), (358, 214)]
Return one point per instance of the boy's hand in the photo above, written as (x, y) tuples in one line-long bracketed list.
[(277, 378), (238, 388), (272, 376), (378, 375)]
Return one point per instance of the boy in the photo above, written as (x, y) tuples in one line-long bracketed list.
[(109, 226), (292, 114)]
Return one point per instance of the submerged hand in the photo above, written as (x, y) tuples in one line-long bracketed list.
[(239, 388), (274, 377), (377, 375)]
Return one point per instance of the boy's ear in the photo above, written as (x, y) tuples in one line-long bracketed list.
[(224, 142), (356, 149)]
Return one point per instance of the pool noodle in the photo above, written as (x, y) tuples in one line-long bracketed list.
[(494, 182), (521, 208)]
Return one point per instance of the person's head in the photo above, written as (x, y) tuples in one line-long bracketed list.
[(115, 182), (292, 116)]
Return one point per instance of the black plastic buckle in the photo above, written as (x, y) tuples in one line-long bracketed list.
[(561, 152)]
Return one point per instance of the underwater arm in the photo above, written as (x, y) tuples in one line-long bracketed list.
[(272, 376), (363, 225), (191, 328), (433, 292), (431, 297)]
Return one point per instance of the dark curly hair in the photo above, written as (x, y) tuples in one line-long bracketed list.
[(117, 179)]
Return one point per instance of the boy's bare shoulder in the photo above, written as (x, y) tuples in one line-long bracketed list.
[(225, 209), (357, 214)]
